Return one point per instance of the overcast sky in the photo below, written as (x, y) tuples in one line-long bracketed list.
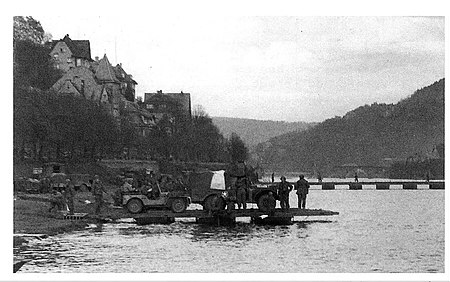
[(270, 68)]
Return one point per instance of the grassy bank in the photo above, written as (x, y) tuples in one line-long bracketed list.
[(31, 215)]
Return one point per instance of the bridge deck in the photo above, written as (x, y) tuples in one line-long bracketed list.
[(392, 182)]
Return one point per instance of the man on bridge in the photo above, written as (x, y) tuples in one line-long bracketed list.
[(302, 187), (284, 188)]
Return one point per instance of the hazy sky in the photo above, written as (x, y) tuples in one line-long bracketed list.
[(278, 68)]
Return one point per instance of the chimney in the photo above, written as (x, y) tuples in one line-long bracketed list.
[(159, 91)]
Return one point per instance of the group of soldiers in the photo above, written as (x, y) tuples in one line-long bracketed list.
[(237, 193), (284, 188), (152, 185), (65, 196)]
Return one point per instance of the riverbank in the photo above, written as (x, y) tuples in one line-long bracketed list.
[(31, 215)]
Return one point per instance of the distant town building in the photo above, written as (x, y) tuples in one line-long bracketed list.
[(97, 80), (127, 83), (110, 86), (160, 104), (68, 53)]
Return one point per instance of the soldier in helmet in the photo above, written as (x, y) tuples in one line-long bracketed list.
[(69, 193), (241, 191), (98, 189), (56, 201)]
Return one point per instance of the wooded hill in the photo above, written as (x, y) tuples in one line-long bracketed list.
[(253, 131), (364, 136)]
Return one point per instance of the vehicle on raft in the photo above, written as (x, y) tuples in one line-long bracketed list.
[(211, 189), (208, 188), (137, 202)]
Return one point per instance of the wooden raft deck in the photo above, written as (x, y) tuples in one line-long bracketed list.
[(224, 217)]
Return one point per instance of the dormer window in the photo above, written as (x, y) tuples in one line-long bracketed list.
[(55, 56)]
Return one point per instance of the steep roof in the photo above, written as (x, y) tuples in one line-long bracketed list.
[(69, 88), (79, 48), (105, 72), (122, 75)]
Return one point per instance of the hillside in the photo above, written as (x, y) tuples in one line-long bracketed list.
[(364, 136), (254, 131)]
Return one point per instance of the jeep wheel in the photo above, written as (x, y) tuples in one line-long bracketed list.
[(178, 205), (135, 206), (264, 203), (214, 203)]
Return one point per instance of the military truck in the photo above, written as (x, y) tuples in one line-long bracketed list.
[(209, 188), (79, 181)]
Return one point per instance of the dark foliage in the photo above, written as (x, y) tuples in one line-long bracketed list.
[(33, 67), (51, 126), (238, 150)]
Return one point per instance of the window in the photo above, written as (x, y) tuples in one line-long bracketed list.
[(69, 60), (55, 56), (62, 50), (150, 106), (78, 63)]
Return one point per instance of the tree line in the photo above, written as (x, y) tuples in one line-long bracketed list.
[(364, 136), (50, 126)]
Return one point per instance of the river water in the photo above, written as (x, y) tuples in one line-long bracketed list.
[(385, 231)]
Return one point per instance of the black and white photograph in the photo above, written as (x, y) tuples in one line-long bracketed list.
[(187, 141)]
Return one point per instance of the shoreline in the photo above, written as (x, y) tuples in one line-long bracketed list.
[(32, 218)]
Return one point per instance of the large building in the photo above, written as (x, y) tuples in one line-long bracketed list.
[(160, 104), (110, 86), (68, 53), (97, 80)]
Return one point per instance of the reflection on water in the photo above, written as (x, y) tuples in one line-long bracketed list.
[(376, 231)]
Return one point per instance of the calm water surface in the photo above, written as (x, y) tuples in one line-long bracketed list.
[(376, 231)]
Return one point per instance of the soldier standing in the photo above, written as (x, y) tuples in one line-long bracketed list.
[(231, 198), (70, 195), (56, 201), (284, 188), (302, 187), (241, 194), (98, 191)]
